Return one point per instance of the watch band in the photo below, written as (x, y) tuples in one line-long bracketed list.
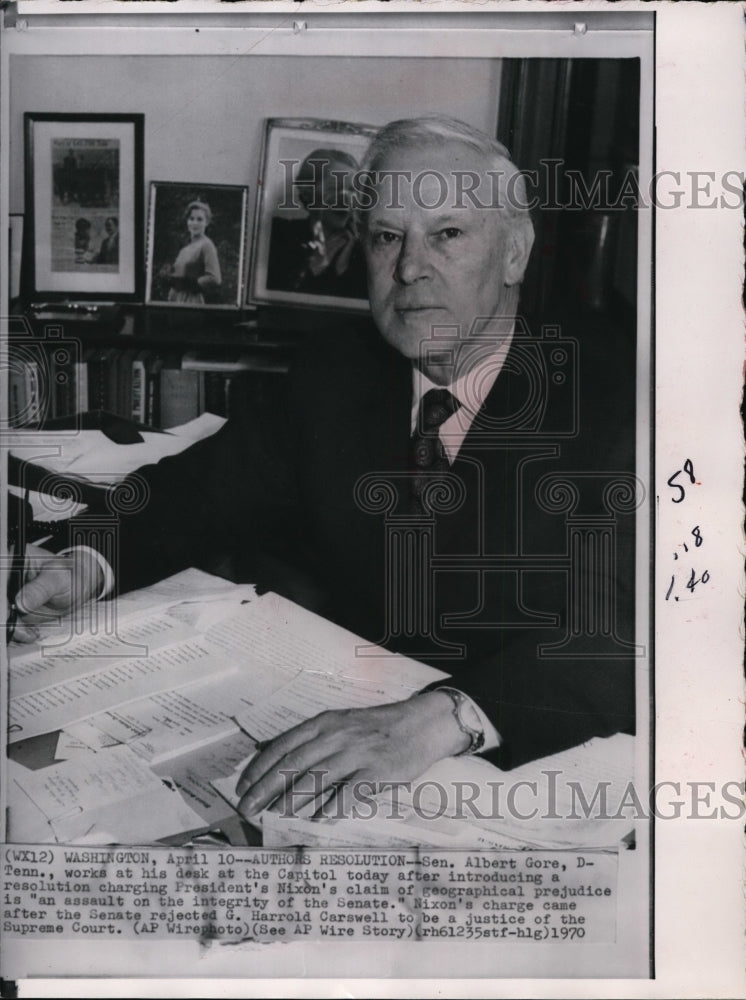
[(475, 735)]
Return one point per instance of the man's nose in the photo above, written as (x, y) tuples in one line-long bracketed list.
[(413, 262)]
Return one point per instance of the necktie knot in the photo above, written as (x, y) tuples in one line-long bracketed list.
[(436, 406)]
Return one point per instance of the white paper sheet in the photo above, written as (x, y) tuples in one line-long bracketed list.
[(121, 681), (84, 655), (173, 722), (92, 455), (324, 670), (94, 798), (194, 773), (81, 738), (191, 585)]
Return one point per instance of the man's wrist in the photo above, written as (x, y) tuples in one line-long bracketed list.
[(468, 719), (104, 584), (452, 738)]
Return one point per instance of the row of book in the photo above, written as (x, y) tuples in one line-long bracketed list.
[(157, 388)]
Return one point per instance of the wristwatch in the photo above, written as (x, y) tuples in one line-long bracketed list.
[(467, 718)]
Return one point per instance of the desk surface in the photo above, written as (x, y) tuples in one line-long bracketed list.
[(184, 725)]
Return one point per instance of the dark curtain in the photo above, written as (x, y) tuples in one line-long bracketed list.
[(576, 115)]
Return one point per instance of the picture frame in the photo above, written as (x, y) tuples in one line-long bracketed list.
[(84, 207), (15, 252), (305, 250), (196, 255)]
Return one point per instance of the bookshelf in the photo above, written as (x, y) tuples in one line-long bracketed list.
[(159, 366)]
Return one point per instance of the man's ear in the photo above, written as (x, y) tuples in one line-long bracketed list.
[(520, 241)]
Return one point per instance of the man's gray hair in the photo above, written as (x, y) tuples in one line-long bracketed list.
[(437, 129)]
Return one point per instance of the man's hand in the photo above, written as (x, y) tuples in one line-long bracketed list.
[(396, 742), (55, 585)]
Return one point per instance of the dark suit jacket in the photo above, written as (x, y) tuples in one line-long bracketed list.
[(109, 250), (276, 488)]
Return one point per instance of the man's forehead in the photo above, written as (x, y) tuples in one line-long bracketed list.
[(447, 197), (451, 175), (449, 156)]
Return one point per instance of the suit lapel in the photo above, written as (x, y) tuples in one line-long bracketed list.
[(385, 412), (479, 464)]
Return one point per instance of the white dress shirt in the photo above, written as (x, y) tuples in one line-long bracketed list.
[(470, 389)]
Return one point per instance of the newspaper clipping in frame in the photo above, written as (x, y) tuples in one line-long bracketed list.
[(354, 677), (85, 205)]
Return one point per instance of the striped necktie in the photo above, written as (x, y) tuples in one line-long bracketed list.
[(427, 455)]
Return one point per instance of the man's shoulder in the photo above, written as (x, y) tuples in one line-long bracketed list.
[(353, 352)]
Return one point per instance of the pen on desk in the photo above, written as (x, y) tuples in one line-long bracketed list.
[(259, 744)]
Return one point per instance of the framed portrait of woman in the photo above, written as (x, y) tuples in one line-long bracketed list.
[(196, 245), (306, 252)]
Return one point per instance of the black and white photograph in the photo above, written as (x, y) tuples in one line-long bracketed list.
[(85, 179), (84, 197), (196, 244), (15, 252), (370, 555), (307, 248)]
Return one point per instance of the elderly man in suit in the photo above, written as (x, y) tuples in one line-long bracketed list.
[(449, 403)]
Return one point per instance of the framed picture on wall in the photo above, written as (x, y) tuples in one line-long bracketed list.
[(15, 248), (305, 249), (84, 206), (196, 245)]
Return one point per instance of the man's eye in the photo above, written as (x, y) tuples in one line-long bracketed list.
[(449, 233), (384, 237)]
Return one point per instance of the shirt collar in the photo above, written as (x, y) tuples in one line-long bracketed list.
[(470, 389)]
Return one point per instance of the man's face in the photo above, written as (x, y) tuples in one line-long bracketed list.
[(440, 267)]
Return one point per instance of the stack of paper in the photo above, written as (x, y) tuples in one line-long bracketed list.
[(198, 670)]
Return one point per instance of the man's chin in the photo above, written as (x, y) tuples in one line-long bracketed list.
[(409, 343), (416, 333)]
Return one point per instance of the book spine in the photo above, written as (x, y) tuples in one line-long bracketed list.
[(112, 365), (153, 393), (17, 394), (81, 386), (97, 381), (179, 396), (32, 378), (124, 384), (216, 393), (138, 390)]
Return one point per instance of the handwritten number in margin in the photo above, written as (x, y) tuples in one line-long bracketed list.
[(689, 470)]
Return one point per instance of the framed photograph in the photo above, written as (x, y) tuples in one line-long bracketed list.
[(305, 249), (196, 245), (15, 250), (84, 206)]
